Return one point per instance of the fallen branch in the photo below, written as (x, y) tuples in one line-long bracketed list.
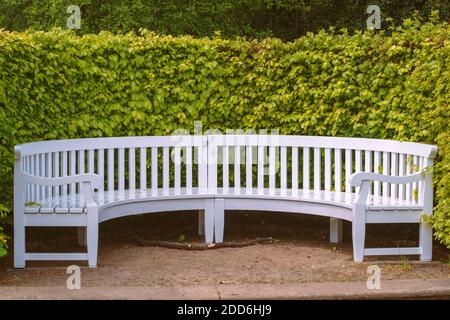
[(201, 246)]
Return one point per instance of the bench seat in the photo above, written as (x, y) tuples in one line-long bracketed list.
[(73, 203)]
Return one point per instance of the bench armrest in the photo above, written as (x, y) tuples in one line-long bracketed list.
[(356, 179), (94, 179)]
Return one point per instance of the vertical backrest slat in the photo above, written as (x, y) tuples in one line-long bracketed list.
[(358, 163), (317, 170), (237, 169), (177, 171), (154, 159), (261, 158), (48, 174), (34, 173), (394, 172), (402, 168), (73, 171), (188, 158), (225, 170), (212, 168), (101, 167), (202, 171), (408, 186), (166, 170), (64, 171), (81, 169), (283, 169), (306, 165), (91, 159), (294, 171), (132, 169), (328, 168), (376, 169), (121, 170), (386, 171), (42, 174), (368, 165), (56, 174), (415, 186), (110, 167), (348, 169), (28, 170), (248, 169), (143, 168), (338, 170), (272, 171)]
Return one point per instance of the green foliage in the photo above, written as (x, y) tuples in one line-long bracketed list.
[(286, 19), (57, 84)]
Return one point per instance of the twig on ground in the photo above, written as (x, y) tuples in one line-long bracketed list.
[(201, 246)]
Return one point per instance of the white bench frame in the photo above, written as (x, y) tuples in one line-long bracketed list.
[(65, 168)]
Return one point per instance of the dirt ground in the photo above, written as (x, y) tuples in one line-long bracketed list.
[(301, 254)]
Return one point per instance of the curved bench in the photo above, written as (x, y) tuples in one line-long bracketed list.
[(84, 182)]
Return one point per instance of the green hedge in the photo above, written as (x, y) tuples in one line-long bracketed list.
[(285, 19), (58, 85)]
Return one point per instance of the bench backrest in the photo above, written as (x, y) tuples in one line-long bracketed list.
[(126, 163), (232, 163), (261, 163)]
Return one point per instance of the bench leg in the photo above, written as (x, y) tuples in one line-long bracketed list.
[(19, 242), (358, 234), (92, 238), (335, 230), (82, 236), (201, 222), (426, 241), (209, 221), (219, 220)]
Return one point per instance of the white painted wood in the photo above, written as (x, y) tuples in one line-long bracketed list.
[(368, 165), (237, 169), (45, 169), (101, 167), (392, 251), (166, 168), (402, 172), (56, 173), (188, 170), (143, 168), (121, 170), (248, 169), (294, 171), (328, 168), (348, 169), (132, 168), (225, 170), (418, 149), (261, 173), (306, 165), (386, 171), (110, 167), (338, 170), (283, 171), (317, 169), (272, 169), (64, 172), (177, 165), (394, 172), (335, 230), (376, 169), (73, 170)]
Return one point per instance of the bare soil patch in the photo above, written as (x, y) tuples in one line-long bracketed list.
[(301, 254)]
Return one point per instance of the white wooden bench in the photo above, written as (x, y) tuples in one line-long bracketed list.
[(84, 182)]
